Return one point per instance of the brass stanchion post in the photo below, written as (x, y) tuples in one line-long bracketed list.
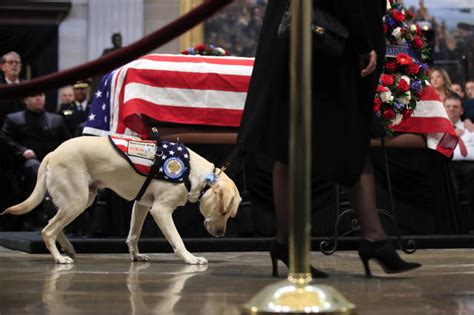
[(297, 294)]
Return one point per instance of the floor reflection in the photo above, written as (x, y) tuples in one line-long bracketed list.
[(56, 287), (164, 301)]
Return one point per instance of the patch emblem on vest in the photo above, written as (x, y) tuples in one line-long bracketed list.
[(174, 168), (141, 149)]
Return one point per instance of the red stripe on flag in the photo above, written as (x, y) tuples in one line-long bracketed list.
[(189, 80), (429, 94), (142, 168), (196, 59), (182, 115), (425, 125)]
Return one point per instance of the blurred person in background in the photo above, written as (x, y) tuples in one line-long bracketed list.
[(441, 82), (11, 68), (67, 108), (469, 104), (75, 113)]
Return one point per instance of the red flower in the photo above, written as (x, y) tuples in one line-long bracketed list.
[(200, 47), (377, 104), (184, 52), (385, 28), (398, 16), (409, 15), (386, 79), (403, 59), (417, 42), (403, 85), (407, 113), (391, 66), (418, 29), (413, 68), (389, 114), (381, 89)]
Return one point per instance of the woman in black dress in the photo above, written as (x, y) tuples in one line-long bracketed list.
[(343, 90)]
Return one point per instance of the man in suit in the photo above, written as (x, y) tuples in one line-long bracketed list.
[(75, 113), (11, 68), (10, 65), (30, 135)]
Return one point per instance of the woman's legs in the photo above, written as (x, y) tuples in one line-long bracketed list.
[(279, 249), (363, 200), (280, 197)]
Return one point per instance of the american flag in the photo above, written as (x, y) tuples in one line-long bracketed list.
[(184, 89), (98, 121), (207, 90), (430, 118)]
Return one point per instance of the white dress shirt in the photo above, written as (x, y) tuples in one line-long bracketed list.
[(468, 138)]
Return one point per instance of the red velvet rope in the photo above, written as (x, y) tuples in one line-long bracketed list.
[(116, 58)]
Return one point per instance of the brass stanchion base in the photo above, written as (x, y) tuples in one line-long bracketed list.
[(291, 298)]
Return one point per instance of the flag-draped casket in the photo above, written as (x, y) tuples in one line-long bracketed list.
[(211, 91)]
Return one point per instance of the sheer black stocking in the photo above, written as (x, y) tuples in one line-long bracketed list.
[(363, 200), (280, 197)]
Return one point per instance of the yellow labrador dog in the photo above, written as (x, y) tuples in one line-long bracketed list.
[(77, 168)]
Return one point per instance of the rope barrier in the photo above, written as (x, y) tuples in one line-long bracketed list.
[(116, 58)]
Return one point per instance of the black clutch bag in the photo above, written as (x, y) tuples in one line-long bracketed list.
[(329, 34)]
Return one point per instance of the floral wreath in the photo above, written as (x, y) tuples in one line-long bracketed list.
[(206, 50), (404, 76)]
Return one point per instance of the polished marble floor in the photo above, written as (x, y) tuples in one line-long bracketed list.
[(111, 284)]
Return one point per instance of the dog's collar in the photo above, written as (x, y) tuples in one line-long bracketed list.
[(209, 180)]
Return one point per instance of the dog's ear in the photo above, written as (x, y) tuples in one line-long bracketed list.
[(224, 199)]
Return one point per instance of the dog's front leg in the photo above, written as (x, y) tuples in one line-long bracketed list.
[(139, 213), (164, 220)]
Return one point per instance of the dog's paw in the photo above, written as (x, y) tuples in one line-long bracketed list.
[(196, 261), (64, 260), (141, 257)]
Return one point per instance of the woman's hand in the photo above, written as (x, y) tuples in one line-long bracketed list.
[(368, 62)]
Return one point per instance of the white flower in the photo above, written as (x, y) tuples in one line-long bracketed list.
[(220, 50), (389, 6), (398, 119), (413, 28), (397, 33), (406, 78), (386, 96), (405, 99)]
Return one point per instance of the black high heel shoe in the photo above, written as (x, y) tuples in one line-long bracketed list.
[(280, 252), (385, 255)]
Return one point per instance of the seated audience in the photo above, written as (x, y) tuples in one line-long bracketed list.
[(469, 89), (462, 166), (469, 101), (11, 68), (457, 88), (441, 82), (66, 96), (30, 135), (76, 111), (465, 148), (67, 109)]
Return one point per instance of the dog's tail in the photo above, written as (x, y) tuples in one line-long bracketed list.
[(36, 196)]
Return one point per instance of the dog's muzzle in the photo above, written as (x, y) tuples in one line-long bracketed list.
[(212, 230)]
